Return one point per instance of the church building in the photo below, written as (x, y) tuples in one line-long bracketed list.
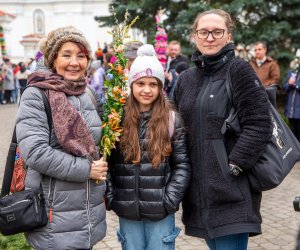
[(24, 22)]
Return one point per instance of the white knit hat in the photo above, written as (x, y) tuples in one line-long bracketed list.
[(146, 65)]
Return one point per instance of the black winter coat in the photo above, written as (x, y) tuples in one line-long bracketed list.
[(217, 203), (142, 192), (178, 59), (172, 66)]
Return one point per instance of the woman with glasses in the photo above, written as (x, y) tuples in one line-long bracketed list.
[(219, 205)]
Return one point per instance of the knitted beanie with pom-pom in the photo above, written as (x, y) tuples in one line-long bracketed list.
[(146, 65)]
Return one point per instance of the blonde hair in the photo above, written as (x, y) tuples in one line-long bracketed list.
[(174, 42), (227, 18)]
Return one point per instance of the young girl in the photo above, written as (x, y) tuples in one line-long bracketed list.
[(149, 171)]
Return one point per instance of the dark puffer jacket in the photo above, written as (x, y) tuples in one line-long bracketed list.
[(142, 192), (217, 203)]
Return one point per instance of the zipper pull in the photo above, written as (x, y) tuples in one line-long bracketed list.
[(35, 205), (50, 214)]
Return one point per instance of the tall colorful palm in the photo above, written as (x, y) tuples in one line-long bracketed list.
[(116, 93)]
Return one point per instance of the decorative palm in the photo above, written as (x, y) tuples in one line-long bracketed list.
[(116, 93)]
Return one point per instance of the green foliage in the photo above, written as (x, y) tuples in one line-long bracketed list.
[(14, 242), (146, 10), (116, 87), (286, 120), (277, 22)]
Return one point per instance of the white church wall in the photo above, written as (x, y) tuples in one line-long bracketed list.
[(57, 13)]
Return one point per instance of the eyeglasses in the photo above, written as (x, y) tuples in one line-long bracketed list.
[(216, 34)]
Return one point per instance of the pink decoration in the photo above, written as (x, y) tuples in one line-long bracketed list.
[(161, 39)]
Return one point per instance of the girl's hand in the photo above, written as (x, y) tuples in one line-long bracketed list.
[(99, 170)]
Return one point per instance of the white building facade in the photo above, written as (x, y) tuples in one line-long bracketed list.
[(34, 19)]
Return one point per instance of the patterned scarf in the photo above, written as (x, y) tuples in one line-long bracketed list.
[(71, 130)]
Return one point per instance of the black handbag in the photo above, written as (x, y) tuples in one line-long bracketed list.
[(22, 211), (25, 210), (280, 156)]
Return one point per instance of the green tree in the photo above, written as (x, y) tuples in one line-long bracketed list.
[(146, 10), (276, 21)]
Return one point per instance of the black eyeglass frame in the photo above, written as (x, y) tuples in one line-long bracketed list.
[(210, 32)]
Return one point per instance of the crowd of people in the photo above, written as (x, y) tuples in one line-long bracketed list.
[(13, 79), (171, 149)]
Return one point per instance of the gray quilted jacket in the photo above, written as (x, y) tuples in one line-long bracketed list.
[(78, 220)]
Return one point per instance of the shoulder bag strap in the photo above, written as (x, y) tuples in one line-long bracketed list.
[(231, 122), (90, 93), (10, 160)]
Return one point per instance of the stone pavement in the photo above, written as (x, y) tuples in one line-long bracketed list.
[(280, 222)]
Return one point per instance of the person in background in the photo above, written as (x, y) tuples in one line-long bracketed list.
[(29, 62), (106, 61), (267, 70), (174, 57), (99, 54), (111, 54), (219, 205), (1, 85), (292, 106), (105, 47), (37, 57), (97, 78), (149, 171), (265, 67), (64, 158), (15, 93), (22, 76), (130, 49), (8, 80), (173, 76)]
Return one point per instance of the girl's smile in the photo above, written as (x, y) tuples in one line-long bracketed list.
[(145, 90)]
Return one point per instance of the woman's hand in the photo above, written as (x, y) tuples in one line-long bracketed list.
[(169, 76), (292, 80), (99, 170)]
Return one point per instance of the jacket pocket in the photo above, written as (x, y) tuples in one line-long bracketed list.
[(222, 187)]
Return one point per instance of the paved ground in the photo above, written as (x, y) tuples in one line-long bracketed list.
[(280, 222)]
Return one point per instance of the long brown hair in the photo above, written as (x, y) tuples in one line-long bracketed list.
[(159, 142)]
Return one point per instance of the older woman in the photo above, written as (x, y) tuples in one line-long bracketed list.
[(220, 205), (64, 158)]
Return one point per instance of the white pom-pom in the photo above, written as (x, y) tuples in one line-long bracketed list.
[(146, 50)]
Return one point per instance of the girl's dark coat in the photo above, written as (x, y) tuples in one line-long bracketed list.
[(142, 192)]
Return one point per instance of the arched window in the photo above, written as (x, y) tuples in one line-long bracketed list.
[(39, 22)]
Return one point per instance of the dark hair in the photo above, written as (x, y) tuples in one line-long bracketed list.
[(84, 50), (181, 66)]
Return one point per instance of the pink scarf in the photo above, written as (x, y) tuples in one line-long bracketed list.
[(71, 130)]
